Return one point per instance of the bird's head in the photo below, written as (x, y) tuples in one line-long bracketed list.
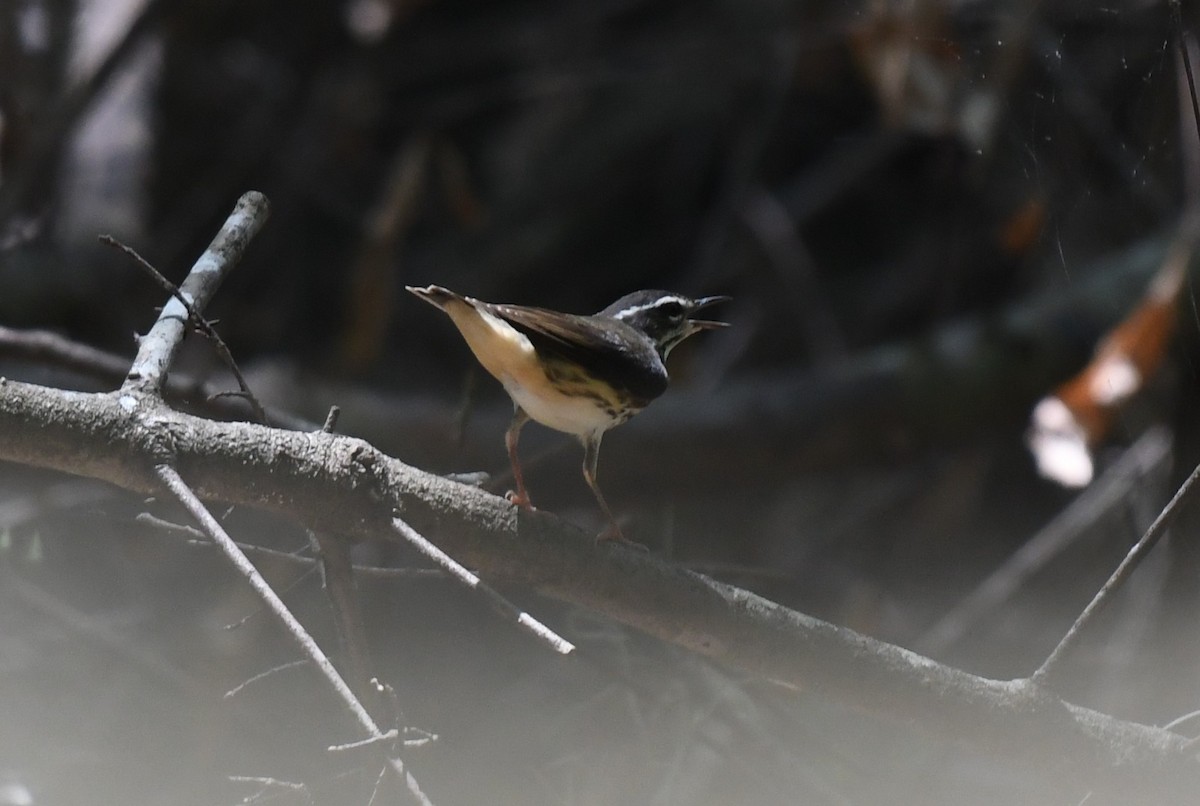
[(664, 316)]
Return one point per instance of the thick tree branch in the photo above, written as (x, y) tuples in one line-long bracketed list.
[(344, 485)]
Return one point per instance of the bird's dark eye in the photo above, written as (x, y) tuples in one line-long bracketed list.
[(672, 309)]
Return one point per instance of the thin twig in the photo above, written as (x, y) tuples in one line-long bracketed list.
[(267, 782), (183, 493), (198, 322), (1179, 720), (337, 574), (378, 786), (158, 348), (489, 594), (52, 349), (292, 664), (425, 739), (1151, 451), (270, 787), (194, 537), (370, 740), (1043, 676), (331, 419), (1177, 18), (195, 507), (284, 591)]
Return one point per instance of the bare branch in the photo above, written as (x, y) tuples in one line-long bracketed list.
[(391, 735), (1151, 451), (198, 321), (55, 350), (344, 485), (52, 349), (184, 494), (489, 594), (159, 346), (337, 576), (195, 537), (242, 686), (1045, 674), (331, 419)]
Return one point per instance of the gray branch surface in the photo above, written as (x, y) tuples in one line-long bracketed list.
[(344, 485), (159, 347)]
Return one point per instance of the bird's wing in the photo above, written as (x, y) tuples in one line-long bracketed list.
[(619, 354)]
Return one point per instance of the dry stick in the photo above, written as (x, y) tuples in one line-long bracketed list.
[(331, 419), (391, 735), (183, 493), (337, 577), (341, 483), (54, 350), (1175, 723), (268, 784), (274, 670), (1152, 450), (378, 785), (50, 348), (198, 322), (1177, 18), (1165, 518), (195, 537), (1045, 672), (147, 377), (159, 347), (490, 595), (337, 574)]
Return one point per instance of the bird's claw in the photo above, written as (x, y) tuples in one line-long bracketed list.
[(613, 534), (520, 499)]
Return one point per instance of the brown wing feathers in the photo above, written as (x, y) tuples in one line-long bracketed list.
[(607, 349)]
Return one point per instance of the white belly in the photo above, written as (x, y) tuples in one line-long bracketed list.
[(574, 415), (509, 356)]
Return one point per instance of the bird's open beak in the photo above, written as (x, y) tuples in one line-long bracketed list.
[(707, 324)]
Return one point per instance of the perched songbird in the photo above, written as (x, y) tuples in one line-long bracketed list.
[(579, 374)]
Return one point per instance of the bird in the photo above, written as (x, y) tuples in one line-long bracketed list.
[(578, 374)]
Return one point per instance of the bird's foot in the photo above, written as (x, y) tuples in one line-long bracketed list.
[(613, 534), (521, 499)]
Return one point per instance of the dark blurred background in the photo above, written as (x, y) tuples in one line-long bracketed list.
[(927, 214)]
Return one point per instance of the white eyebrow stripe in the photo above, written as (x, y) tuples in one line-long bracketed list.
[(626, 312)]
